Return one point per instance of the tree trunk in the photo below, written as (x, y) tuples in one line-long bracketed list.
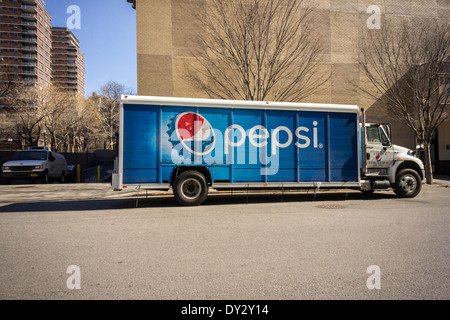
[(428, 165)]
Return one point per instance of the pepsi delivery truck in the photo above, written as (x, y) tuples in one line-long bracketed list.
[(194, 145)]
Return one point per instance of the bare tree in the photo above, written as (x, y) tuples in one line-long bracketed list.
[(10, 86), (257, 50), (9, 82), (107, 110), (405, 65), (30, 114), (87, 126), (60, 115)]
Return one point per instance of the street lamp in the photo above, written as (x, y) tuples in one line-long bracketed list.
[(10, 140)]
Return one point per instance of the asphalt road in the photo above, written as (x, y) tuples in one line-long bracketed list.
[(269, 246)]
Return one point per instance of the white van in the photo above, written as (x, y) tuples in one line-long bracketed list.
[(36, 163)]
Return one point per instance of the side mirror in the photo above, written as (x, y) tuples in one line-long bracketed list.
[(51, 158)]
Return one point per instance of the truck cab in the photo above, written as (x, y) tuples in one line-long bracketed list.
[(36, 163), (386, 165)]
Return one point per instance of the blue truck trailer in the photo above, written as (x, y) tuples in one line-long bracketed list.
[(193, 145)]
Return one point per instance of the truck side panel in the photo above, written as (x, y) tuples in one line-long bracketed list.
[(140, 139), (344, 151), (310, 146)]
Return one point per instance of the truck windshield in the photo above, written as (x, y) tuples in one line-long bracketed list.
[(30, 155), (373, 135)]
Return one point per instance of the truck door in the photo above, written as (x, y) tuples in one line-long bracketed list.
[(379, 149)]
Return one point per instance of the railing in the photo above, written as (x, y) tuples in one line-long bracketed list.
[(28, 15), (29, 39), (26, 31), (97, 174), (26, 23), (29, 56)]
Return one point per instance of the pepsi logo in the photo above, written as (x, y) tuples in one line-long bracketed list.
[(378, 158), (195, 133)]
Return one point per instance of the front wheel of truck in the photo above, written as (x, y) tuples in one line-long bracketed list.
[(44, 178), (190, 188), (407, 184)]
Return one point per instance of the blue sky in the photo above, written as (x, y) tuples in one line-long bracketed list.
[(107, 38)]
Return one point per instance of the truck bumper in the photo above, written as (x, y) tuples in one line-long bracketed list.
[(22, 175)]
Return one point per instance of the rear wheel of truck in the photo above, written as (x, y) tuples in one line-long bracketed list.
[(407, 184), (62, 179), (190, 188), (44, 178)]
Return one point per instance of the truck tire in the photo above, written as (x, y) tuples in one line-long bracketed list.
[(407, 183), (62, 179), (190, 188), (44, 178)]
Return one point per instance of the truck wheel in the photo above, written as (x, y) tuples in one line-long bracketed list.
[(63, 177), (190, 188), (407, 184), (7, 181), (44, 178)]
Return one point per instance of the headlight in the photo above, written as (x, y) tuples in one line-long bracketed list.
[(411, 153), (6, 168), (39, 167)]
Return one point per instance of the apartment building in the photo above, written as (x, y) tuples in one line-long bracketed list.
[(67, 61), (25, 41), (29, 56)]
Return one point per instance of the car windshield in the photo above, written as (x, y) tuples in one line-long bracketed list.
[(30, 155)]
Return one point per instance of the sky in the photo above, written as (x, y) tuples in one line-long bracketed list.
[(107, 37)]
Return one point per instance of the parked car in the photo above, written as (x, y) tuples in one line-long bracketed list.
[(71, 173), (36, 163)]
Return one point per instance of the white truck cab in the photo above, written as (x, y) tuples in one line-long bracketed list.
[(33, 164), (389, 166)]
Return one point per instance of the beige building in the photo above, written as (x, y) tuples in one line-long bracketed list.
[(165, 29)]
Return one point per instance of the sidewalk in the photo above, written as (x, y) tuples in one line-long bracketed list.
[(91, 191), (442, 180)]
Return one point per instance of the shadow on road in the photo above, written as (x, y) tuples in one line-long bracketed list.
[(169, 201)]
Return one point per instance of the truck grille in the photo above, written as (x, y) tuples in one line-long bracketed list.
[(22, 168)]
